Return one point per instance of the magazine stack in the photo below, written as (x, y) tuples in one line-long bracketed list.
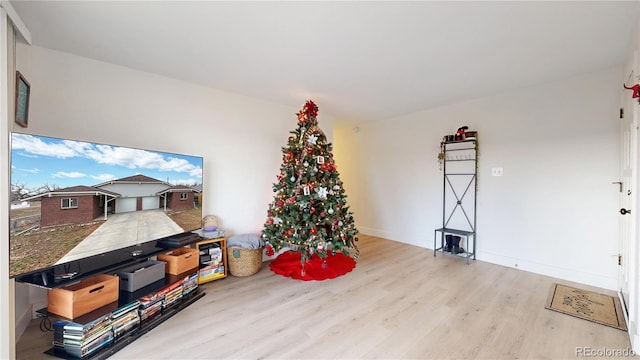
[(171, 294), (81, 340), (125, 318), (150, 306), (211, 263), (190, 284)]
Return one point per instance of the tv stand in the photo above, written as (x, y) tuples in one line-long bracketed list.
[(126, 298), (111, 262), (73, 271)]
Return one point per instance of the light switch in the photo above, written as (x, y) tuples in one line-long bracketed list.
[(496, 171)]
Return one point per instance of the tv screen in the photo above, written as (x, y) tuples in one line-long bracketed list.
[(74, 199)]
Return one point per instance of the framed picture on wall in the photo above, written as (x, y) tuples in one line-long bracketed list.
[(22, 100)]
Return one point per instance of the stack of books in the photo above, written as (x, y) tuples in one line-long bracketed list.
[(82, 340), (150, 306), (190, 284), (125, 318), (211, 265), (172, 294)]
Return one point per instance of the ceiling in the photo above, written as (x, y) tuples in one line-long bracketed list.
[(359, 61)]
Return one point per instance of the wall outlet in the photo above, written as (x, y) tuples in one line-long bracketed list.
[(496, 171)]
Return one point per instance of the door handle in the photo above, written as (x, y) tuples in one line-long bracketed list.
[(619, 185), (624, 211)]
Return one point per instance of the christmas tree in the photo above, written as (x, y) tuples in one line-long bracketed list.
[(309, 212)]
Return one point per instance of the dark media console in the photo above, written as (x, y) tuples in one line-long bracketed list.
[(73, 271), (158, 293)]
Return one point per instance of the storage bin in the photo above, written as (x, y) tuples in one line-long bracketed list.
[(244, 262), (140, 275), (83, 297), (180, 260)]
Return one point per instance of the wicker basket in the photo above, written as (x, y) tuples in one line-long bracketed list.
[(244, 262)]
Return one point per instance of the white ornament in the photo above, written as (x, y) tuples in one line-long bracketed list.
[(277, 220), (293, 178), (315, 169), (330, 211), (305, 164), (330, 192), (336, 187), (340, 223), (312, 139), (322, 192)]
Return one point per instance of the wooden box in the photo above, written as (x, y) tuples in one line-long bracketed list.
[(180, 260), (83, 297)]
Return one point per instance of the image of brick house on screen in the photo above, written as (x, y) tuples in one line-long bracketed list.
[(83, 204)]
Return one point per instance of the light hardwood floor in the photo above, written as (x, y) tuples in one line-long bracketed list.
[(398, 303)]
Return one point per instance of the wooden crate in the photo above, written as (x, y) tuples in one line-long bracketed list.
[(83, 297), (180, 260)]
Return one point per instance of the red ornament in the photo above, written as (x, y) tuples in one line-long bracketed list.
[(269, 250), (314, 230), (279, 203), (322, 214), (313, 210)]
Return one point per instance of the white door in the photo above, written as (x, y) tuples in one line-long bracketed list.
[(150, 202), (126, 205), (628, 211)]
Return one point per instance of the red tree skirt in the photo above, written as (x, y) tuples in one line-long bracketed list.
[(288, 264)]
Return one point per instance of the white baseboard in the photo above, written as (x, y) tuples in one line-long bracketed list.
[(597, 280), (375, 232)]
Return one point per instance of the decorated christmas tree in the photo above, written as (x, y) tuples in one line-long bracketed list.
[(309, 212)]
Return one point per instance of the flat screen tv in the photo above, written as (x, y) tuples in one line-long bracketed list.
[(71, 200)]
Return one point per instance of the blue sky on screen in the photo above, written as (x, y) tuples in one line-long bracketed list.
[(37, 161)]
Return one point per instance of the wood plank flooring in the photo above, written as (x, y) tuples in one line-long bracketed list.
[(398, 303)]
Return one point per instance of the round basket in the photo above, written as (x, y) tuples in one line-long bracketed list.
[(244, 262)]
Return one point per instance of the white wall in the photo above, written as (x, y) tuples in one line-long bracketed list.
[(553, 211), (239, 137)]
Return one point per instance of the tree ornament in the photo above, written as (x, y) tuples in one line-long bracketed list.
[(269, 250), (322, 192), (312, 139)]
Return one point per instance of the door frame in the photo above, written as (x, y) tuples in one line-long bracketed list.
[(629, 247)]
